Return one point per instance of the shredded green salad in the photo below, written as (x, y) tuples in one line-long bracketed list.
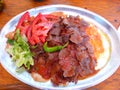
[(20, 51)]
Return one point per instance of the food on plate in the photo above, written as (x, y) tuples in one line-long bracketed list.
[(61, 48)]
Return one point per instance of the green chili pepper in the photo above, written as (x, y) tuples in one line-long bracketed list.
[(54, 48)]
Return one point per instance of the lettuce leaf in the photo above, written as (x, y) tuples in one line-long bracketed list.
[(19, 50)]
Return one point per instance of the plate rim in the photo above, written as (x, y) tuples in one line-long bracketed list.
[(58, 5)]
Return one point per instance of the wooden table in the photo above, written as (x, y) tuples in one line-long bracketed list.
[(109, 9)]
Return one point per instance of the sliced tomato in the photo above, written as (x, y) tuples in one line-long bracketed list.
[(42, 38), (24, 17), (40, 28), (36, 28), (29, 36), (23, 23)]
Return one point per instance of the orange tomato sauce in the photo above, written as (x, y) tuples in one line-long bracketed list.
[(95, 40)]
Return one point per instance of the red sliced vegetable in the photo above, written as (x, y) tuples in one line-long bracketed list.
[(23, 23), (29, 36), (37, 28), (24, 17)]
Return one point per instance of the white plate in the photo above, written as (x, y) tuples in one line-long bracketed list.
[(99, 21)]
